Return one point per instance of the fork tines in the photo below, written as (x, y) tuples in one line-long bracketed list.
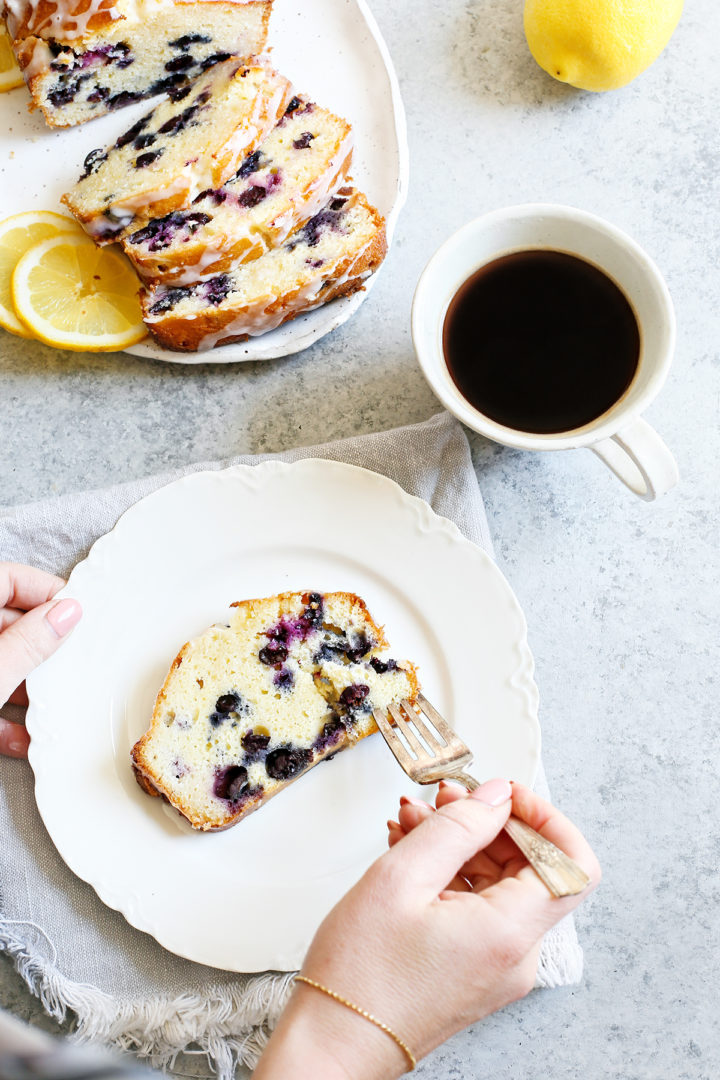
[(420, 738), (441, 725)]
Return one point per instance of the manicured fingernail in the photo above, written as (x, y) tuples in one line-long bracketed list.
[(494, 792), (64, 615), (450, 784), (407, 800), (17, 744), (392, 825)]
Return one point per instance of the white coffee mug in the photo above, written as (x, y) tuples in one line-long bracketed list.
[(620, 437)]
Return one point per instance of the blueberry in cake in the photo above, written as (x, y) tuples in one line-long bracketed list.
[(330, 256), (279, 186), (248, 708), (84, 58), (180, 148)]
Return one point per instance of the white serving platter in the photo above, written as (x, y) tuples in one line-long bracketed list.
[(332, 50), (251, 898)]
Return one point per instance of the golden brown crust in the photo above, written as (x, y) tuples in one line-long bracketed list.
[(145, 782), (37, 18), (159, 269), (143, 772), (177, 201), (351, 598), (186, 335), (346, 289)]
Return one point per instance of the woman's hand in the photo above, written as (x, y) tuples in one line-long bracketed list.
[(442, 930), (32, 627)]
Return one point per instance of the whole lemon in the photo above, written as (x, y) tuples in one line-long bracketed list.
[(599, 44)]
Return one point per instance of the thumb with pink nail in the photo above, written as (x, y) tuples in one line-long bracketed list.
[(32, 626)]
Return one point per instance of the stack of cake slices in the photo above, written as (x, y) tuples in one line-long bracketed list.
[(84, 58), (232, 200)]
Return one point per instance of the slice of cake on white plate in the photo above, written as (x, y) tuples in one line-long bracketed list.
[(248, 708), (84, 58), (182, 147), (287, 180), (332, 255)]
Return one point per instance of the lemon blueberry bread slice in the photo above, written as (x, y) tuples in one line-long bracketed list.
[(83, 58), (249, 707), (287, 180), (330, 256), (177, 150)]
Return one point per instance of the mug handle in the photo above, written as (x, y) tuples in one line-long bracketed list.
[(638, 456)]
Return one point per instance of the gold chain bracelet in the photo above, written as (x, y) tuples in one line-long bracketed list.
[(366, 1015)]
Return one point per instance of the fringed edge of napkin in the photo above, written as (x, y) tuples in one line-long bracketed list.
[(230, 1026), (561, 957)]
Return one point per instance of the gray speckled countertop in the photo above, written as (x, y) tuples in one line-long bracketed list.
[(621, 597)]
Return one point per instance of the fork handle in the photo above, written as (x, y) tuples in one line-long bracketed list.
[(560, 873)]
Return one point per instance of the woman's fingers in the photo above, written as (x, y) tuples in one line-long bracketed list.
[(432, 854), (500, 858), (448, 791), (19, 696), (29, 633), (542, 816), (521, 896), (413, 812), (480, 870), (24, 587), (395, 833), (14, 739), (33, 638), (9, 615)]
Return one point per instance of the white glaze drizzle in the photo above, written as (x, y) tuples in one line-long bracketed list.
[(262, 119), (206, 264), (122, 213), (40, 60), (254, 319)]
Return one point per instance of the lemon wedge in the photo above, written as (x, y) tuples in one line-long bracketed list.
[(10, 74), (17, 235), (599, 44), (75, 295)]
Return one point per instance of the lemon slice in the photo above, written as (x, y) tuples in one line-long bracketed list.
[(75, 295), (17, 235), (10, 74)]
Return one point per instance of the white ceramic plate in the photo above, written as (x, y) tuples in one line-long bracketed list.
[(332, 50), (251, 898)]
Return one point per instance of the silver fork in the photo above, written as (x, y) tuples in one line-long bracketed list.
[(439, 754)]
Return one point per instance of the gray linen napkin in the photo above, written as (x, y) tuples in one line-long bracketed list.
[(74, 953)]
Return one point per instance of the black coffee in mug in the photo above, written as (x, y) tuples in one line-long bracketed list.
[(541, 341)]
